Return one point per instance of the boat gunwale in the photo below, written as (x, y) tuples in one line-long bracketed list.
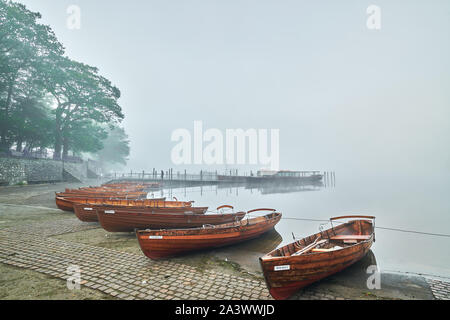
[(214, 227), (269, 258), (136, 210), (85, 201)]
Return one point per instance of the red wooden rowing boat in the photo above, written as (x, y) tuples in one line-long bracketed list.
[(66, 202), (128, 219), (86, 209), (158, 244), (310, 259), (124, 194)]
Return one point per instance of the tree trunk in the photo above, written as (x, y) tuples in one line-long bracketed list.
[(58, 145), (4, 131), (58, 136), (66, 148), (19, 144)]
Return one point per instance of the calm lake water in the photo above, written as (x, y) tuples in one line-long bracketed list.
[(400, 204)]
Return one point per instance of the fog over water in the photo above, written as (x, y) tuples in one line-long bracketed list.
[(373, 106), (345, 98), (399, 206)]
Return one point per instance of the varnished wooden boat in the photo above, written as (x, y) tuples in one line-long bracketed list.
[(86, 210), (107, 193), (95, 196), (157, 244), (129, 219), (113, 195), (310, 259), (65, 203), (108, 189)]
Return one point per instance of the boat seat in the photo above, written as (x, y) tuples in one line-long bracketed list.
[(350, 237)]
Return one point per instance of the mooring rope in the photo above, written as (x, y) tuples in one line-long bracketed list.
[(376, 227), (418, 232), (305, 219)]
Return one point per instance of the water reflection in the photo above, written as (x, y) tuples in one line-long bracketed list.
[(263, 244), (261, 187), (247, 253), (278, 187), (357, 274)]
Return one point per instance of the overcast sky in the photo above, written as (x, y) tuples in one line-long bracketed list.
[(344, 97)]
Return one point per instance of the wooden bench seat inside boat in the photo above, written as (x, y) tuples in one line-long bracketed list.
[(350, 237)]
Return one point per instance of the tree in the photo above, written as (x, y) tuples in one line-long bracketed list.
[(116, 148), (31, 122), (80, 93), (83, 136), (23, 43), (32, 68)]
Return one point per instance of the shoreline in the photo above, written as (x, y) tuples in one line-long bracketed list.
[(214, 274)]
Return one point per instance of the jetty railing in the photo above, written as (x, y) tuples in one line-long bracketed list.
[(203, 176)]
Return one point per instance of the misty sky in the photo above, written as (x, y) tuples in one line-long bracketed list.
[(344, 97)]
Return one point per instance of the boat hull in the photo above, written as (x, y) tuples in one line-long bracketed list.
[(68, 203), (131, 196), (163, 218), (166, 243), (285, 275), (64, 204), (85, 213), (282, 287)]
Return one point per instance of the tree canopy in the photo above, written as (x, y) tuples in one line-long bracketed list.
[(115, 149), (46, 98)]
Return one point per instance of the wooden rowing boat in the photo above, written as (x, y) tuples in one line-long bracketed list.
[(310, 259), (107, 189), (66, 202), (85, 212), (107, 193), (112, 195), (86, 209), (157, 244), (129, 219)]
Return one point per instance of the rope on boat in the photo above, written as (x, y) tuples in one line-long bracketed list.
[(376, 227)]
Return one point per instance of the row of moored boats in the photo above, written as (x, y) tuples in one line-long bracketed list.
[(166, 228)]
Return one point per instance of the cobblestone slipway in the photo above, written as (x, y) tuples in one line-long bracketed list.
[(130, 276)]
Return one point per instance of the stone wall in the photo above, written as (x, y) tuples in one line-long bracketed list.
[(11, 171), (15, 170)]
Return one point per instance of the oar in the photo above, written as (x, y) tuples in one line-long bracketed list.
[(310, 247)]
